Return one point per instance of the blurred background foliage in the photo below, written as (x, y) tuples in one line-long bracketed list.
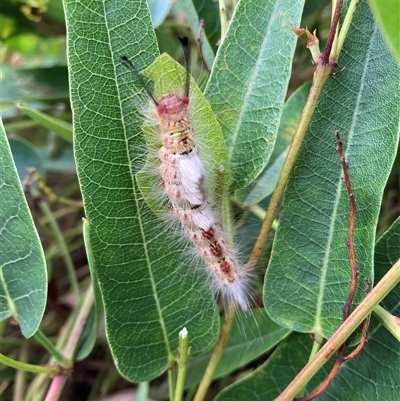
[(37, 117)]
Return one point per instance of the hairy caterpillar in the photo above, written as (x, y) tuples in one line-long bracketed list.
[(184, 182)]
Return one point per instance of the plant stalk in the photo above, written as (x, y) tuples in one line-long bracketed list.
[(321, 75), (63, 246), (27, 367), (216, 356), (390, 322), (182, 361), (43, 340)]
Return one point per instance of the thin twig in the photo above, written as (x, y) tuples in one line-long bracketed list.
[(344, 28), (361, 343), (364, 331), (55, 229), (183, 364), (350, 243), (223, 19), (34, 177), (216, 356), (59, 381), (321, 75), (328, 380)]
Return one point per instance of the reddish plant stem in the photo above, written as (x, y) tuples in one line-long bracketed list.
[(364, 332), (325, 59), (350, 242), (377, 294), (338, 363), (328, 380), (56, 387), (361, 343)]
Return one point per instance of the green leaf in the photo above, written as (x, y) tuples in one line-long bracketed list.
[(23, 275), (209, 12), (270, 379), (372, 375), (150, 289), (265, 184), (308, 278), (64, 163), (248, 83), (60, 127), (159, 10), (387, 14)]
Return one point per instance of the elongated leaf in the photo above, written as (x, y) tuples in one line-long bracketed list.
[(23, 275), (60, 127), (159, 10), (25, 156), (150, 290), (308, 279), (268, 381), (387, 252), (372, 375), (63, 164), (89, 335), (248, 84)]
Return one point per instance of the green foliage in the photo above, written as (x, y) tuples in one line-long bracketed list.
[(145, 278), (264, 184), (379, 361), (365, 109), (23, 281), (165, 295), (252, 336), (248, 83)]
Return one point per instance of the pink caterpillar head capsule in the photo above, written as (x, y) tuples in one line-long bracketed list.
[(172, 107), (174, 122)]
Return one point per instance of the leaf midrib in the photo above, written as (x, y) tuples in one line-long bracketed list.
[(235, 133)]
